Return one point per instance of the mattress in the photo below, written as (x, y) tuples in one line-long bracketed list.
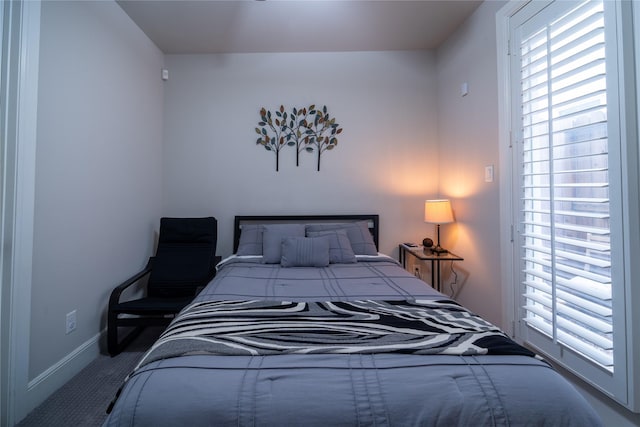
[(234, 358)]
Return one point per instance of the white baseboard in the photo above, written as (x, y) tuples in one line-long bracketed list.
[(42, 386)]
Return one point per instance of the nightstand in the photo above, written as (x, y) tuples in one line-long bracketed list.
[(424, 254)]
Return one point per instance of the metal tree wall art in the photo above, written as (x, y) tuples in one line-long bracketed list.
[(306, 129), (299, 121), (321, 133), (274, 134)]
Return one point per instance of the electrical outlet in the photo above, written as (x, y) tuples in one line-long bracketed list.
[(71, 322)]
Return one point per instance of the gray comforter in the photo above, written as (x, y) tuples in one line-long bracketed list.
[(193, 387)]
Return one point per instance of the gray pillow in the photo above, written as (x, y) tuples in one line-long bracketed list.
[(305, 252), (340, 251), (358, 233), (272, 240), (250, 240)]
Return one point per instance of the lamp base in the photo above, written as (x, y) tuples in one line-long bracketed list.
[(439, 250)]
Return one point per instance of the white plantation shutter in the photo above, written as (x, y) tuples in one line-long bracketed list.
[(572, 194), (564, 171)]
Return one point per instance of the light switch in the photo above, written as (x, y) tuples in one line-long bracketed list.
[(488, 173)]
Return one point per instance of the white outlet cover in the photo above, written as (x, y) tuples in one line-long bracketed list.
[(488, 173), (71, 322)]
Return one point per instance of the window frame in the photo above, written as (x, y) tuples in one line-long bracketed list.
[(624, 385)]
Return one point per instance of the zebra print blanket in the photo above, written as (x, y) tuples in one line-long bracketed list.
[(268, 327)]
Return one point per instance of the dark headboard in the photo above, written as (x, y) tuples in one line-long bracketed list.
[(373, 221)]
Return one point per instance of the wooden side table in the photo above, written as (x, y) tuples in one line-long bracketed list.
[(424, 254)]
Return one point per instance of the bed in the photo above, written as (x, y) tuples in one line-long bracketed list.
[(307, 324)]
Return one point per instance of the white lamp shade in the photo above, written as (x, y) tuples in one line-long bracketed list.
[(438, 211)]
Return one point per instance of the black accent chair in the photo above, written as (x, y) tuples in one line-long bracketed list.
[(184, 263)]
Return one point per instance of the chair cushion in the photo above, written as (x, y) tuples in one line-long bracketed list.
[(185, 258), (152, 305), (188, 231)]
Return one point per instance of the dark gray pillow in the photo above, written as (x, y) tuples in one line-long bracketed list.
[(358, 233), (305, 252), (250, 240), (340, 251), (272, 240)]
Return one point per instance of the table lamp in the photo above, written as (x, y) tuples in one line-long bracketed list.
[(438, 212)]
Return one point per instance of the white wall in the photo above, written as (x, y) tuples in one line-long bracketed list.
[(98, 170), (385, 161), (468, 141)]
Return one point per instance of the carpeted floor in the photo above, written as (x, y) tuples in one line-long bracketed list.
[(83, 400)]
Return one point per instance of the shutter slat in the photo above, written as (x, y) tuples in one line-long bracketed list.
[(537, 236), (576, 228), (583, 101), (603, 327), (598, 339), (587, 156), (582, 185), (592, 70), (578, 171), (584, 244), (577, 272), (601, 291), (602, 357), (583, 199), (588, 57), (587, 86), (582, 229), (597, 215), (587, 260), (599, 309)]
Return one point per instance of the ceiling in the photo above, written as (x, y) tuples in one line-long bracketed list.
[(245, 26)]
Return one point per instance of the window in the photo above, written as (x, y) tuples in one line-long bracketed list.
[(571, 189), (566, 238)]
